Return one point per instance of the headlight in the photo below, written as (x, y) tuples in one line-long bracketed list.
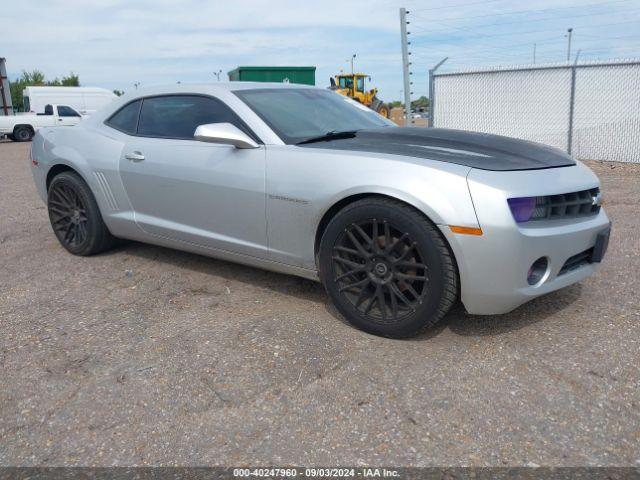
[(522, 208)]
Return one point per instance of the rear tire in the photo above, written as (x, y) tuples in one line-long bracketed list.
[(75, 216), (22, 133), (387, 268)]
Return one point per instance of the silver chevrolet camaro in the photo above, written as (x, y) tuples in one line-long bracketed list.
[(397, 223)]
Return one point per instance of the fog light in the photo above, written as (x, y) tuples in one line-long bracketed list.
[(537, 271)]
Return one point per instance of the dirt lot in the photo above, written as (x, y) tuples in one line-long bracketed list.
[(150, 356)]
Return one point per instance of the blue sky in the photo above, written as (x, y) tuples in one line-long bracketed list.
[(115, 43)]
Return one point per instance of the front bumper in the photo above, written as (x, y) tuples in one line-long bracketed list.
[(494, 266)]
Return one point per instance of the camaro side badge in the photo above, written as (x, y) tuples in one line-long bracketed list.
[(289, 199), (596, 200)]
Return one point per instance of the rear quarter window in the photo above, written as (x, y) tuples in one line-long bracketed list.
[(126, 119)]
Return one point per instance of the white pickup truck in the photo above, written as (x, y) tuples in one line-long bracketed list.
[(22, 128)]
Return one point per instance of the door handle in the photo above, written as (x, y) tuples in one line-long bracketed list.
[(134, 157)]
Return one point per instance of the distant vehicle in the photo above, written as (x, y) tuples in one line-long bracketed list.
[(354, 86), (85, 100), (22, 128), (396, 222)]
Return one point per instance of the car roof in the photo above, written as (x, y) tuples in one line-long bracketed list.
[(221, 90), (209, 87)]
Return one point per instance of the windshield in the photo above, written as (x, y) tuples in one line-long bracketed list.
[(298, 114), (346, 82)]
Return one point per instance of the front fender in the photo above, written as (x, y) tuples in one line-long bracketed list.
[(445, 200), (304, 185)]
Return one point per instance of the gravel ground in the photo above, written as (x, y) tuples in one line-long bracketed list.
[(148, 356)]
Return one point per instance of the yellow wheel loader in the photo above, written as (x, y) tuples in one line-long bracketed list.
[(353, 85)]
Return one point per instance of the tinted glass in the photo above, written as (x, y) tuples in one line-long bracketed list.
[(178, 116), (126, 118), (346, 82), (296, 114), (64, 111)]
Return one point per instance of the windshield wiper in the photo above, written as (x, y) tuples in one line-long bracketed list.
[(332, 135)]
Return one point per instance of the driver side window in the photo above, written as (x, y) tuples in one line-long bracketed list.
[(174, 116), (178, 116), (64, 111)]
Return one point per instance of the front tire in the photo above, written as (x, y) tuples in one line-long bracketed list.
[(75, 216), (387, 268), (383, 110), (380, 107)]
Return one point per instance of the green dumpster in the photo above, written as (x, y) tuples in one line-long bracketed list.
[(304, 75)]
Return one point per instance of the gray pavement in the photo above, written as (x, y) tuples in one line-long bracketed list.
[(148, 356)]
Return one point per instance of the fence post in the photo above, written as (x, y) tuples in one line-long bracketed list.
[(432, 90), (431, 99), (572, 100)]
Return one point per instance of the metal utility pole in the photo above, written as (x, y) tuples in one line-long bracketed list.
[(352, 57), (569, 31), (405, 65), (534, 53)]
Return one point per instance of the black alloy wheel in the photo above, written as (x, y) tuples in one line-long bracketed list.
[(68, 215), (75, 217), (380, 270), (387, 268)]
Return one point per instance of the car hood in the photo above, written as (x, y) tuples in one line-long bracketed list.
[(476, 150)]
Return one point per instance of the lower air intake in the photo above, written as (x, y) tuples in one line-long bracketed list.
[(578, 260)]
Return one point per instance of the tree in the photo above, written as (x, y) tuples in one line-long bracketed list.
[(71, 80), (37, 78), (420, 103)]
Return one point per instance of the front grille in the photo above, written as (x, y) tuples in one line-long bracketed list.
[(567, 205), (576, 261)]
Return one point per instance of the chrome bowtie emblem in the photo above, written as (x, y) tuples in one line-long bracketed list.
[(381, 269), (596, 200)]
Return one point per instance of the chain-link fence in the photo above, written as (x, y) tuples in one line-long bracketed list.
[(591, 109)]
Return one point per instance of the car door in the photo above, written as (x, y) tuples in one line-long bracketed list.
[(207, 194), (67, 116)]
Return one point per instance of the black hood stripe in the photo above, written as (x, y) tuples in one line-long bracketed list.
[(477, 150)]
